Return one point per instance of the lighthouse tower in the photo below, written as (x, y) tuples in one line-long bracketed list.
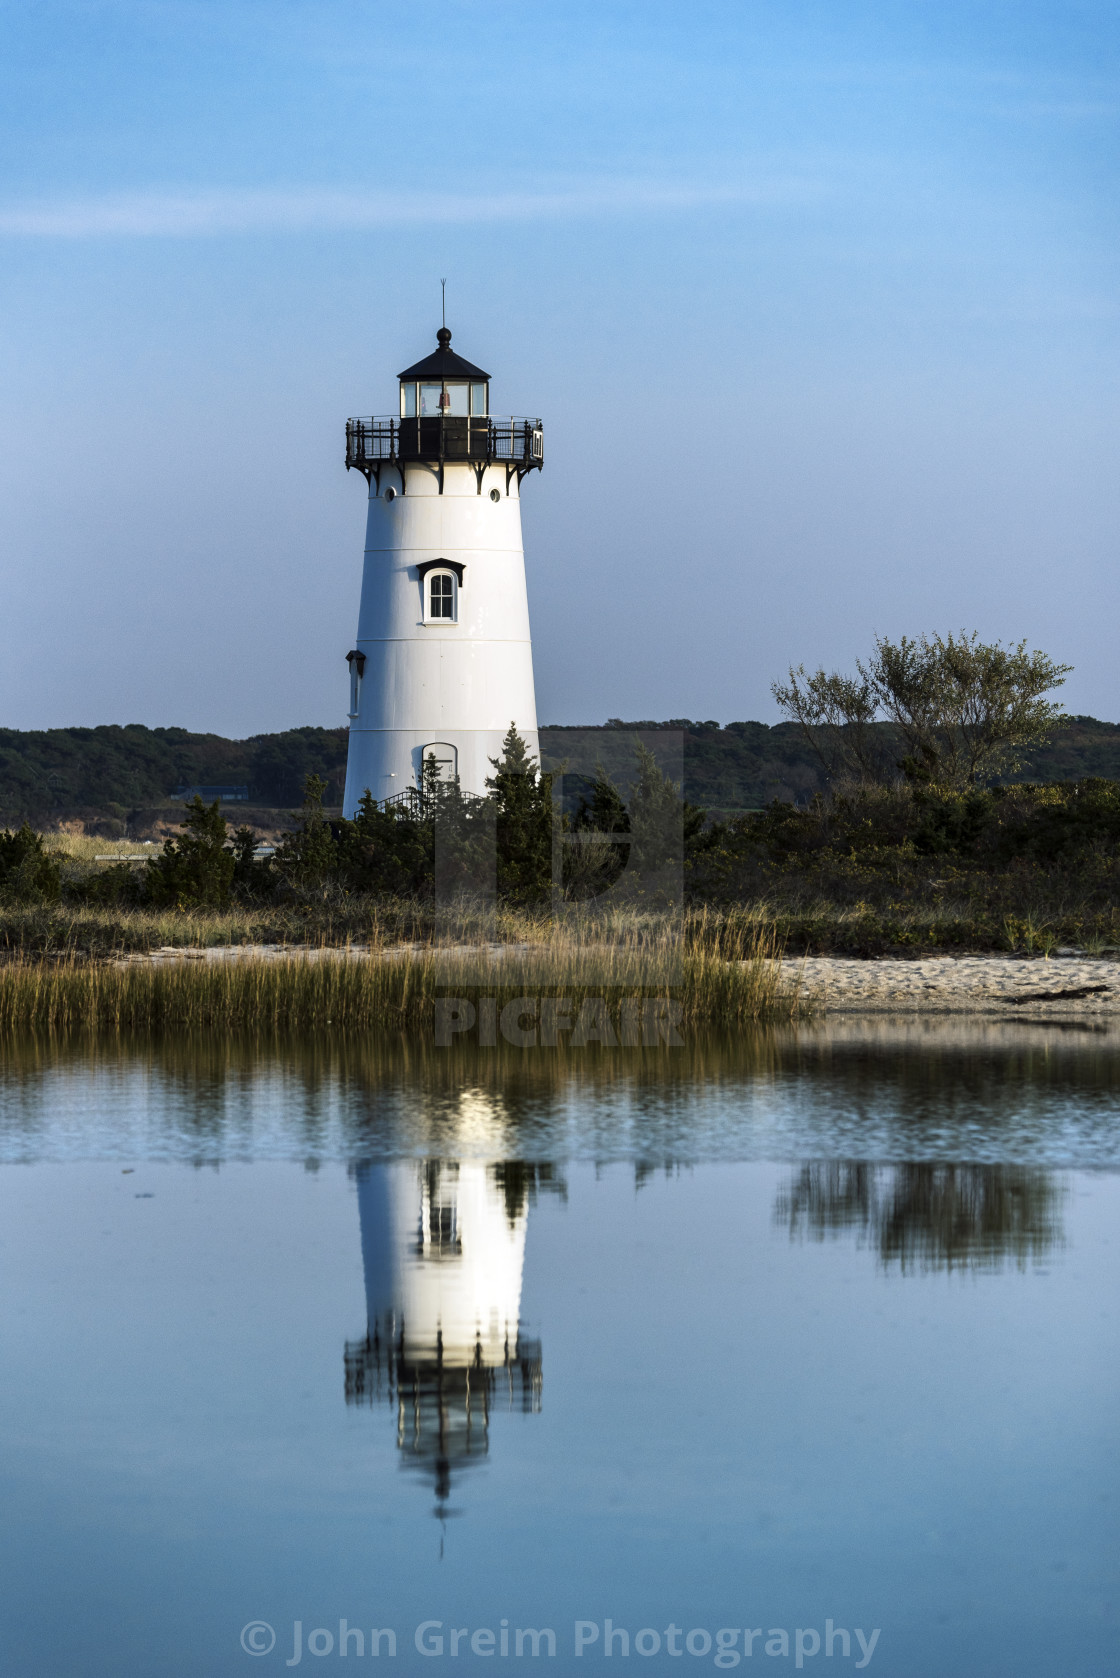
[(442, 662)]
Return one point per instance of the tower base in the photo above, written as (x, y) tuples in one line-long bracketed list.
[(389, 762)]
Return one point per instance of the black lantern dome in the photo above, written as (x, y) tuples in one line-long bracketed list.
[(444, 363), (444, 416)]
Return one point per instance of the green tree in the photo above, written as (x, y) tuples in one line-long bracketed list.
[(463, 829), (196, 869), (439, 838), (308, 856), (967, 711), (837, 717), (960, 710), (523, 814), (596, 840), (253, 876)]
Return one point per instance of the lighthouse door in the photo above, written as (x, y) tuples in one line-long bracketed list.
[(446, 756)]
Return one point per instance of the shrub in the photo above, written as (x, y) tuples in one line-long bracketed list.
[(196, 870), (308, 856), (27, 872)]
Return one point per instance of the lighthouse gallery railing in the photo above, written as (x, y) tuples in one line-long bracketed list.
[(513, 442)]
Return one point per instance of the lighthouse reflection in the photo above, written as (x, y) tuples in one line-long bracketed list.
[(443, 1245)]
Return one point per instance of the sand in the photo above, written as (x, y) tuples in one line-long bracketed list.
[(1003, 986)]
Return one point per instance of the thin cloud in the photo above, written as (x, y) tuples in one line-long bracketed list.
[(199, 214)]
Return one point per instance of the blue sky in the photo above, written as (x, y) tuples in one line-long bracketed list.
[(818, 303)]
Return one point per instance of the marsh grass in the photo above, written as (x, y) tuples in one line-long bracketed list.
[(726, 982), (799, 923), (93, 930), (80, 848)]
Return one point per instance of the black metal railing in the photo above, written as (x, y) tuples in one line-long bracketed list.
[(515, 442)]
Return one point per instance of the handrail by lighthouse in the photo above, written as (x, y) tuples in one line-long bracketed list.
[(516, 443)]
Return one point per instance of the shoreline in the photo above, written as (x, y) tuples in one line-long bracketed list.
[(1007, 987), (1003, 986)]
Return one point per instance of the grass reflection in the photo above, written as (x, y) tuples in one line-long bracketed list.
[(1034, 1096)]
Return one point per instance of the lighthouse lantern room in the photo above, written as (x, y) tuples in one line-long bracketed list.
[(442, 662)]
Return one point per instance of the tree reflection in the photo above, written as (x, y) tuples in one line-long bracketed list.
[(929, 1216)]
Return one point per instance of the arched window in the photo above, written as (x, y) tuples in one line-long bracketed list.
[(442, 592), (440, 582), (445, 757)]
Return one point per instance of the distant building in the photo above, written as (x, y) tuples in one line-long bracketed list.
[(208, 795)]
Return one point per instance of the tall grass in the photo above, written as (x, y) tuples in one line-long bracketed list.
[(79, 847), (800, 921), (396, 988)]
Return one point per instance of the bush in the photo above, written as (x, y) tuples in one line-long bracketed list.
[(27, 873), (119, 886), (196, 870)]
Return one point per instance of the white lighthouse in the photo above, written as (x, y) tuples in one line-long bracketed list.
[(442, 663)]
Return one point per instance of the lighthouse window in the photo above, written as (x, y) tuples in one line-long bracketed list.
[(478, 399), (429, 398), (456, 400), (408, 401), (441, 596)]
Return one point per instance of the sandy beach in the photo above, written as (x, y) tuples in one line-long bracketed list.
[(1063, 987)]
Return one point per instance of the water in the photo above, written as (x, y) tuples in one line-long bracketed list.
[(804, 1341)]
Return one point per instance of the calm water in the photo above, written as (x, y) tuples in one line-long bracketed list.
[(801, 1352)]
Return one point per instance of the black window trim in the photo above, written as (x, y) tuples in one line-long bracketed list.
[(455, 565)]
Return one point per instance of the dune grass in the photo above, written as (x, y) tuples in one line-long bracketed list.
[(81, 848), (396, 987), (799, 922)]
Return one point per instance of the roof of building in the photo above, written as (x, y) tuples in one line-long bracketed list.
[(206, 789), (443, 363)]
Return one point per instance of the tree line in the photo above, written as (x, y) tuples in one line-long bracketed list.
[(116, 779), (517, 843), (914, 753)]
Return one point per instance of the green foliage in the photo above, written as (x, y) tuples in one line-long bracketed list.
[(959, 711), (253, 876), (966, 710), (196, 869), (596, 841), (114, 777), (86, 771), (837, 716), (993, 826), (386, 851), (441, 841), (910, 866), (27, 873), (120, 886), (1016, 867), (308, 856), (657, 824), (523, 812)]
